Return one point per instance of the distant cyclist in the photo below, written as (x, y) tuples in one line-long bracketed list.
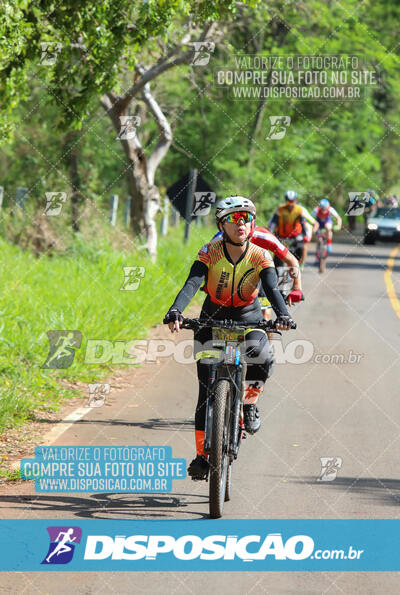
[(323, 215), (310, 222), (288, 222), (231, 269)]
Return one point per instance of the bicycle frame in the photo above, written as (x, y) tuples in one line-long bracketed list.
[(321, 237)]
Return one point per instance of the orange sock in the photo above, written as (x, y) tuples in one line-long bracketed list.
[(252, 391), (199, 435)]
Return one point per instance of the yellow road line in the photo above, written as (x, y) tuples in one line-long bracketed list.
[(389, 283)]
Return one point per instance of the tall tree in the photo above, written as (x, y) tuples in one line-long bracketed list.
[(90, 44), (142, 168)]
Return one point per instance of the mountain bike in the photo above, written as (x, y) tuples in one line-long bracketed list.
[(294, 244), (321, 251), (225, 395)]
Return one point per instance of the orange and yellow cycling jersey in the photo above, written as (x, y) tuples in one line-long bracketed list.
[(289, 224), (231, 284)]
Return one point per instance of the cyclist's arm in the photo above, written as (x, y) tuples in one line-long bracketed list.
[(294, 270), (309, 218), (274, 222), (269, 282), (197, 275), (302, 220), (268, 241), (338, 218), (316, 224)]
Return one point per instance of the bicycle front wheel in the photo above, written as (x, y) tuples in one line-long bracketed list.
[(219, 458), (228, 483), (322, 256)]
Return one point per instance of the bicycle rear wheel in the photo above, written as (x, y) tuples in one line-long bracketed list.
[(322, 255), (219, 458)]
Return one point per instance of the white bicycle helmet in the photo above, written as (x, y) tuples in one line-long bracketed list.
[(291, 195), (231, 204)]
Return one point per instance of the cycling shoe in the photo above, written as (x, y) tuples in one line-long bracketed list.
[(252, 421), (198, 468)]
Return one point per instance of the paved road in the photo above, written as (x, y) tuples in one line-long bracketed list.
[(309, 410)]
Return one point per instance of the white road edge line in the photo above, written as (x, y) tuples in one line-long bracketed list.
[(52, 435)]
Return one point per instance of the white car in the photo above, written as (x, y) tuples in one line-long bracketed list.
[(383, 224)]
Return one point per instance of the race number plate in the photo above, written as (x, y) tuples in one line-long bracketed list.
[(228, 334)]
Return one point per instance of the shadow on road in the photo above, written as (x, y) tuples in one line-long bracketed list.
[(370, 266), (347, 261), (106, 506), (371, 255), (383, 490), (155, 423)]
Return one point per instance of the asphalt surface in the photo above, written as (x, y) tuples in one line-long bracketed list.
[(309, 410)]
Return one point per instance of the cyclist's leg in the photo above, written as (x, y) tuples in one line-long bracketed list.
[(203, 341), (298, 251), (305, 244), (259, 368), (329, 233), (258, 356), (198, 468), (203, 372)]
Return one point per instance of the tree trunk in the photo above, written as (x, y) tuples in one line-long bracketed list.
[(279, 31), (141, 171), (71, 157), (145, 196)]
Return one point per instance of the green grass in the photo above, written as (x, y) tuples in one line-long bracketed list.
[(77, 290)]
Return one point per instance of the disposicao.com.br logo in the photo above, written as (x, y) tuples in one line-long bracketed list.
[(212, 547)]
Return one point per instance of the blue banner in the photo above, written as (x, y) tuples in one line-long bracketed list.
[(200, 545), (104, 469)]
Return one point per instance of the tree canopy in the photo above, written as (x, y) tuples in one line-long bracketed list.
[(59, 59)]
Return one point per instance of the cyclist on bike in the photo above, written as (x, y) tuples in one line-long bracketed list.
[(323, 215), (289, 222), (267, 240), (231, 268), (309, 224)]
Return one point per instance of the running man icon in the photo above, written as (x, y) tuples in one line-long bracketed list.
[(62, 348), (62, 546)]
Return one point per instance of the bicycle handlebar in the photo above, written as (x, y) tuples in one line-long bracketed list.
[(196, 323)]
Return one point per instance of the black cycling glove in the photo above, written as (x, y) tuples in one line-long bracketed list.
[(173, 315), (285, 321)]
